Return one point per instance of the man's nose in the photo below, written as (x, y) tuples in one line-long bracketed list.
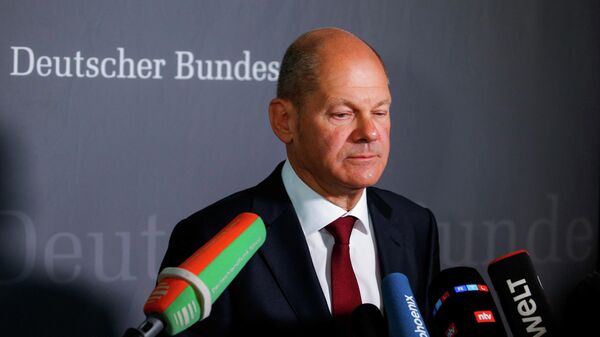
[(366, 130)]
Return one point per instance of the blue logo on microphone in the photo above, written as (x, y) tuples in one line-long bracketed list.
[(472, 287), (460, 289)]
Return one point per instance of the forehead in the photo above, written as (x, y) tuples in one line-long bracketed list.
[(354, 79)]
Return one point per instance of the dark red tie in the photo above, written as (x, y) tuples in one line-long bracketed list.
[(345, 294)]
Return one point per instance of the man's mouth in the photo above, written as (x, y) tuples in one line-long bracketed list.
[(363, 156)]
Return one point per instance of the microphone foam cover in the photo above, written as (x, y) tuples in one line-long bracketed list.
[(368, 321), (463, 305), (521, 294), (401, 309)]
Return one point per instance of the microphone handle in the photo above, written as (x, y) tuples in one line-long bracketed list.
[(131, 332), (151, 327)]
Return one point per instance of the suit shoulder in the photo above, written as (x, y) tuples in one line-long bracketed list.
[(396, 200), (401, 208), (193, 231), (230, 206), (226, 207)]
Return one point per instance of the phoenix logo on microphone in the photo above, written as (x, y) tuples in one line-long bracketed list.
[(414, 312)]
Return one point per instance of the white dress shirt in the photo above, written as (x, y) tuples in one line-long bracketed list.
[(316, 212)]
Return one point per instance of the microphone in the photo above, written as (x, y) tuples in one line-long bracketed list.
[(184, 295), (464, 306), (521, 295), (582, 302), (401, 310), (368, 321)]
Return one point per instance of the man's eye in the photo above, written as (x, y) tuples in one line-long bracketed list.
[(380, 112), (341, 115)]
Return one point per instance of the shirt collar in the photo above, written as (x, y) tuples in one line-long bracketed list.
[(313, 210)]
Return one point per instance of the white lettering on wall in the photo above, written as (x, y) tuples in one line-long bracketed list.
[(548, 239), (27, 62), (67, 256)]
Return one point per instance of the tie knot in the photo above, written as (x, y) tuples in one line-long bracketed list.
[(341, 228)]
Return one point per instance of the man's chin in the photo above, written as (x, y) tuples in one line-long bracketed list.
[(356, 182), (364, 176)]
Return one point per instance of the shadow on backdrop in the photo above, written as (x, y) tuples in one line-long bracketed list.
[(32, 305)]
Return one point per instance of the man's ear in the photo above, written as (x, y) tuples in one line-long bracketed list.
[(282, 116)]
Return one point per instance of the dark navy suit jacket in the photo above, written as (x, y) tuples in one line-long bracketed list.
[(277, 293)]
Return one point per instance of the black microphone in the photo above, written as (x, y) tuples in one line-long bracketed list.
[(463, 305), (368, 321), (582, 303), (521, 295)]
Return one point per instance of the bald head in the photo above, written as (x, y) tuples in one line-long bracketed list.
[(306, 57)]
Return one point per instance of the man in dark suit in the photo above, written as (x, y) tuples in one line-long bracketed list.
[(332, 114)]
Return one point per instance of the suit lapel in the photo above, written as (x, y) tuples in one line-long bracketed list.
[(389, 239), (286, 253)]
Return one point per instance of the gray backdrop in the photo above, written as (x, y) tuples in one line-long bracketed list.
[(494, 127)]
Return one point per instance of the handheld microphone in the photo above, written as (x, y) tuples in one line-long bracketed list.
[(521, 295), (463, 305), (401, 310), (368, 321), (184, 295), (582, 303)]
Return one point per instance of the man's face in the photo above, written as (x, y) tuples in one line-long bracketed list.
[(341, 141)]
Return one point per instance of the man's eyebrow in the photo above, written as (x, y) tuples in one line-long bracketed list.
[(337, 101), (386, 101), (342, 101)]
